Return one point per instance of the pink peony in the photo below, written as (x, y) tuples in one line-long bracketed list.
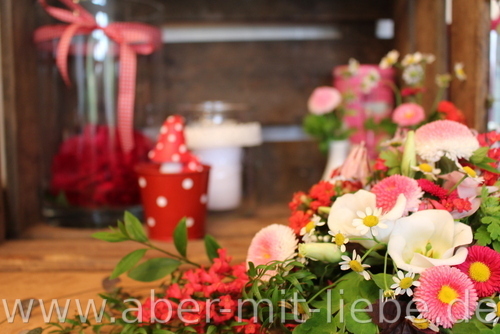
[(408, 114), (324, 100)]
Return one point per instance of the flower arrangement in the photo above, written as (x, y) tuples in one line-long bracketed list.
[(408, 243), (325, 118)]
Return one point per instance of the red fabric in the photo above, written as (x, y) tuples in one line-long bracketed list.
[(132, 38)]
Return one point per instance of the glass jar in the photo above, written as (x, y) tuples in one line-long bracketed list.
[(87, 171), (218, 133)]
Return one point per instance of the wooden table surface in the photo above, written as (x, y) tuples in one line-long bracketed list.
[(58, 263)]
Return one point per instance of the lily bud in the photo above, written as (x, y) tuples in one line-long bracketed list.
[(326, 252), (409, 155)]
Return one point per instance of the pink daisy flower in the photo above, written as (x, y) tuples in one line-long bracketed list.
[(388, 190), (408, 114), (445, 295), (445, 138), (273, 243), (483, 268), (324, 100)]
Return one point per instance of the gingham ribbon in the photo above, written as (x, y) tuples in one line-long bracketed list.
[(132, 38)]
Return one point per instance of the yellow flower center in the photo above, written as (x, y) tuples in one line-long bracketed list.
[(339, 239), (389, 294), (406, 283), (469, 171), (425, 168), (409, 114), (356, 266), (421, 323), (310, 226), (266, 255), (370, 221), (447, 294), (479, 272), (497, 312)]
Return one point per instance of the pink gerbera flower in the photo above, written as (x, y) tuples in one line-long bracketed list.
[(388, 190), (273, 243), (483, 268), (323, 100), (408, 114), (445, 295), (445, 138)]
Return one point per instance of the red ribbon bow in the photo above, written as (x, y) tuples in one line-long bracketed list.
[(133, 38)]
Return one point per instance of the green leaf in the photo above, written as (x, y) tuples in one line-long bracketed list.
[(128, 262), (391, 158), (211, 329), (162, 331), (180, 237), (381, 279), (479, 155), (110, 236), (319, 323), (359, 322), (134, 228), (482, 236), (487, 167), (153, 269), (211, 247)]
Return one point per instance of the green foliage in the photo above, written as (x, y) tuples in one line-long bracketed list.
[(154, 269), (488, 231), (326, 128), (128, 262), (134, 228), (211, 247), (319, 323), (392, 160), (180, 237)]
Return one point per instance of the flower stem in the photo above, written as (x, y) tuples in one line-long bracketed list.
[(320, 292), (178, 257), (385, 270), (455, 186)]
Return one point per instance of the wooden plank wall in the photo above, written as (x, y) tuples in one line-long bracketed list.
[(20, 107), (274, 78), (469, 45)]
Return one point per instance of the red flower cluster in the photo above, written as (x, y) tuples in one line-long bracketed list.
[(324, 193), (445, 201), (91, 169), (204, 296), (411, 91), (491, 140), (450, 112)]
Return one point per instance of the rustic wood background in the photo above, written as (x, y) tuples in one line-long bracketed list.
[(273, 78)]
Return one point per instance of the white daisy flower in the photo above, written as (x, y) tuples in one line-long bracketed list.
[(422, 323), (443, 80), (370, 81), (459, 71), (494, 315), (471, 173), (427, 170), (370, 220), (308, 231), (429, 58), (353, 67), (355, 265), (340, 240), (403, 283), (413, 74), (389, 60), (412, 59)]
